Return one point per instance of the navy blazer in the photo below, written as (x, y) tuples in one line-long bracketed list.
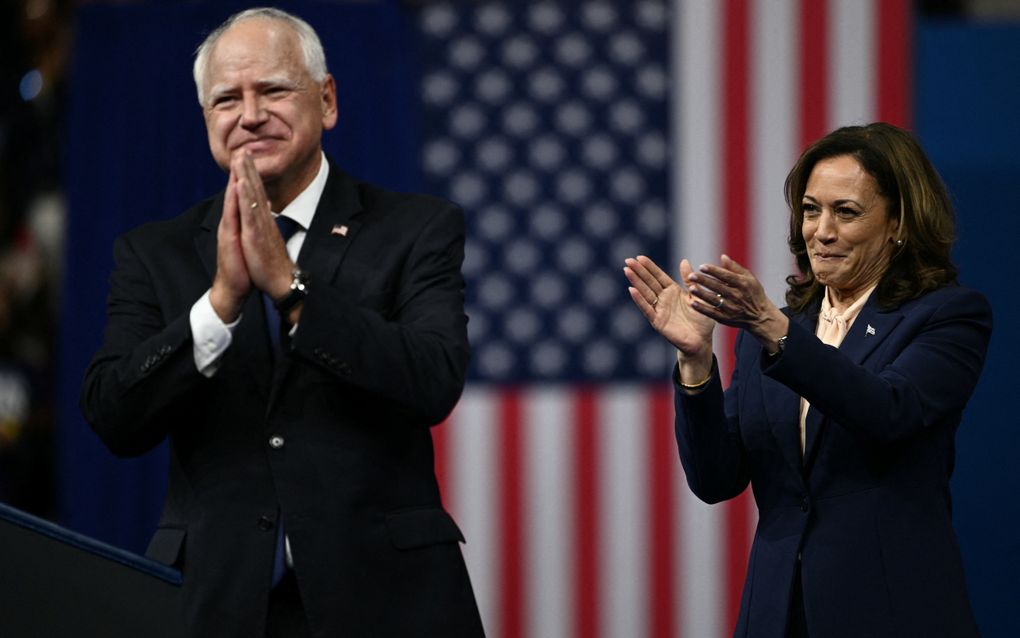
[(379, 356), (865, 512)]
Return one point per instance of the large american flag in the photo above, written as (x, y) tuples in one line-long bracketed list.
[(576, 134)]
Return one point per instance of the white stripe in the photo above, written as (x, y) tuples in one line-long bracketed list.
[(697, 124), (695, 131), (851, 62), (696, 191), (475, 494), (700, 566), (548, 475), (623, 511), (773, 127)]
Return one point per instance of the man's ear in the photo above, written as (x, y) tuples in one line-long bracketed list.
[(329, 104)]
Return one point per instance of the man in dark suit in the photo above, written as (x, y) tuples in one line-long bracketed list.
[(296, 378)]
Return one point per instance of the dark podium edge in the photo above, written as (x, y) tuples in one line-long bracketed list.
[(57, 582)]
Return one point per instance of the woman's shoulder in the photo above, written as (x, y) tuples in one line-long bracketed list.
[(946, 303), (950, 297), (951, 305)]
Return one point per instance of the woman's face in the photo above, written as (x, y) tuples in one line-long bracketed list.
[(847, 227)]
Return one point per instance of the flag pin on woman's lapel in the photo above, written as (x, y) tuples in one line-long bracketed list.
[(870, 331), (339, 229)]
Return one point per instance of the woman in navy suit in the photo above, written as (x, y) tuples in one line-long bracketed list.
[(843, 406)]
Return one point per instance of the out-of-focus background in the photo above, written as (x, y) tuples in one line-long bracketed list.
[(574, 134)]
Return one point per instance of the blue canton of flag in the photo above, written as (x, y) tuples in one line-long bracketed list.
[(547, 122)]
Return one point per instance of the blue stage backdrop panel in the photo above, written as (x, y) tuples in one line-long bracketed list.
[(968, 97), (137, 151)]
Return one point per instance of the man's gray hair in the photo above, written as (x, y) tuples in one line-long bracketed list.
[(311, 47)]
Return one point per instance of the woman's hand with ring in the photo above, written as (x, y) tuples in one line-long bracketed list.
[(667, 305), (732, 295)]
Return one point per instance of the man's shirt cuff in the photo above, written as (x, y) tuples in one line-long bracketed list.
[(210, 336)]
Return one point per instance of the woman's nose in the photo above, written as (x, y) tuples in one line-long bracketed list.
[(826, 231)]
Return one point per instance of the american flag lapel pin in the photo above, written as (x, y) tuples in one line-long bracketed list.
[(870, 331), (339, 229)]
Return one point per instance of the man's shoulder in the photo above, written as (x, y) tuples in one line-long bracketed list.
[(379, 200), (182, 223)]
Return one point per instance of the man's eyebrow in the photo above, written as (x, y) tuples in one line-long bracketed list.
[(284, 81), (218, 90), (278, 80)]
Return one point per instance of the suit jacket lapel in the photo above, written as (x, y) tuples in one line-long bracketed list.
[(869, 329), (782, 406), (334, 226)]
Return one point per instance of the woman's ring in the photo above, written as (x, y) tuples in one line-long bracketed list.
[(654, 301), (719, 305), (254, 205)]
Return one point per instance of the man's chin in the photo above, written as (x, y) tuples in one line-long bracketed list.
[(269, 167)]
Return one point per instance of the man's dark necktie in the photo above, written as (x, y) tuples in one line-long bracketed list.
[(287, 228)]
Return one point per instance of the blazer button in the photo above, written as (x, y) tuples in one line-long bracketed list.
[(804, 504), (276, 442), (264, 523)]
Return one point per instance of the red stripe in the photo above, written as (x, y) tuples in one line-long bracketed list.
[(442, 455), (736, 124), (813, 71), (586, 516), (735, 168), (662, 456), (894, 62), (512, 558)]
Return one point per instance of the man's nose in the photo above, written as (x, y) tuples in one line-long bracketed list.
[(252, 113)]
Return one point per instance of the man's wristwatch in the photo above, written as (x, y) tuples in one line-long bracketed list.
[(298, 292)]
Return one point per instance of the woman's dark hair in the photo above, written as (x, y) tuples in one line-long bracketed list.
[(908, 181)]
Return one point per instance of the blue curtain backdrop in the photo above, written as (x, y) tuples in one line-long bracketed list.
[(968, 101), (137, 151)]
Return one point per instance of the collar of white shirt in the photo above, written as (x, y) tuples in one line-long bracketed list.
[(302, 209)]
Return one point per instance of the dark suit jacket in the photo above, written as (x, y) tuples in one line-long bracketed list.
[(379, 356), (867, 509)]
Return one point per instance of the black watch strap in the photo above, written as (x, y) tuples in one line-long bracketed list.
[(297, 294)]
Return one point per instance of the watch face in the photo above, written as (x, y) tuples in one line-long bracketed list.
[(298, 291), (299, 280)]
